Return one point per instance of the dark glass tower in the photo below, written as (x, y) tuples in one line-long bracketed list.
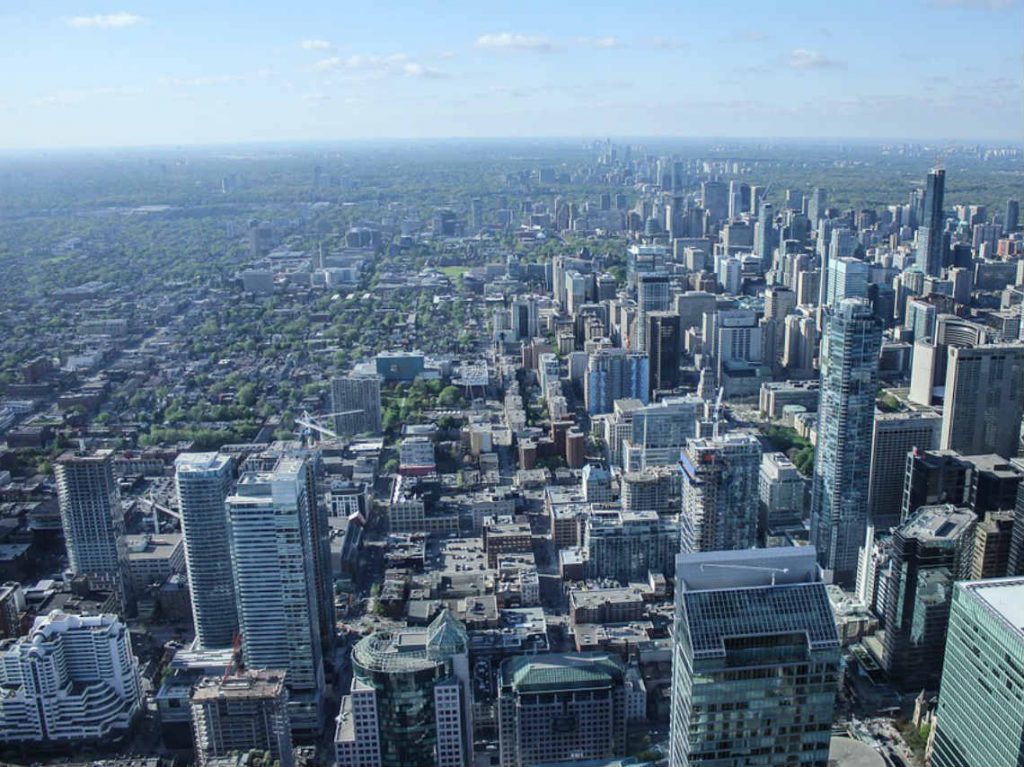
[(930, 234)]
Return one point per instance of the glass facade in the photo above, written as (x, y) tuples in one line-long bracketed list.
[(756, 662), (420, 679), (846, 412), (980, 717)]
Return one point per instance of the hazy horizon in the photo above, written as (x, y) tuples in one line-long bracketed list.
[(145, 74)]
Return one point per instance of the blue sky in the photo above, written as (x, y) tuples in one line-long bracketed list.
[(132, 72)]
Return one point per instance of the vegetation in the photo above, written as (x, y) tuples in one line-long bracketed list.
[(798, 449)]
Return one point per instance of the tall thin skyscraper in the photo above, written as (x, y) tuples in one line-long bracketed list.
[(930, 232), (275, 584), (652, 295), (756, 660), (665, 348), (1012, 216), (846, 410), (720, 493), (816, 205), (91, 515), (203, 481)]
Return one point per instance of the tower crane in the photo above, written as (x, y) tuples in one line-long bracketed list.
[(311, 424), (717, 412)]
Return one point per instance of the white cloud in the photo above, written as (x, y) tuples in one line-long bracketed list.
[(201, 82), (802, 58), (412, 69), (361, 65), (107, 21), (66, 97), (668, 43), (608, 41), (315, 45), (510, 41)]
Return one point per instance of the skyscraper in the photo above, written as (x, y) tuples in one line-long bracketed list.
[(203, 481), (356, 393), (411, 699), (980, 717), (652, 295), (895, 435), (930, 232), (616, 374), (664, 340), (847, 278), (929, 552), (1012, 218), (275, 584), (816, 205), (715, 200), (846, 409), (755, 660), (984, 399), (92, 519), (721, 478), (764, 235)]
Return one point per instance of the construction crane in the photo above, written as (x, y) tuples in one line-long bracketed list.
[(310, 424), (236, 665), (717, 412)]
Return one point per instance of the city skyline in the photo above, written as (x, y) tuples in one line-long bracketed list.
[(103, 76)]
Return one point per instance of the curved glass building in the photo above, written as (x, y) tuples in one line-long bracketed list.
[(410, 701)]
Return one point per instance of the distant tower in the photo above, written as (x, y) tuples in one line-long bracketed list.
[(652, 295), (851, 344), (930, 232), (665, 346)]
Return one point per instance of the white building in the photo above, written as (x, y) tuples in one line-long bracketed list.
[(202, 481), (92, 518), (71, 679), (416, 455), (275, 583)]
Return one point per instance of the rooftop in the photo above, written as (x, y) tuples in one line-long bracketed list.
[(1003, 596), (938, 523), (249, 685), (557, 671)]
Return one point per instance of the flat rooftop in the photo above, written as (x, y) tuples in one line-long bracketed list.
[(1003, 595), (715, 570)]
